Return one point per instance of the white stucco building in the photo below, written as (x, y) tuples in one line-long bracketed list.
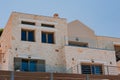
[(50, 44)]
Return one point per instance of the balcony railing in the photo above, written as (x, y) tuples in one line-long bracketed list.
[(90, 43)]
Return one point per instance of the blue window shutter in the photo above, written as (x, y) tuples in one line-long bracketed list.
[(23, 35)]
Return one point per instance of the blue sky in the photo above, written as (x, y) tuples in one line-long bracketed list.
[(103, 16)]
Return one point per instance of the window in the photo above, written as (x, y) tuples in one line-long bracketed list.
[(27, 23), (91, 69), (117, 52), (47, 37), (81, 44), (48, 25), (29, 65), (27, 35)]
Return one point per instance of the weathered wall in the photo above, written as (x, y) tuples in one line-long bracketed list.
[(57, 56), (51, 53), (77, 55), (5, 41)]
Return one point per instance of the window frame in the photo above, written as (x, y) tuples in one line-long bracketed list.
[(78, 44), (28, 23), (47, 25), (27, 35), (46, 35), (39, 63), (94, 64)]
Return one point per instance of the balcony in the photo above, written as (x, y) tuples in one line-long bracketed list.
[(90, 43)]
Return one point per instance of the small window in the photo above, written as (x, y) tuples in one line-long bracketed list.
[(47, 37), (27, 23), (48, 25), (91, 69), (27, 35), (80, 44)]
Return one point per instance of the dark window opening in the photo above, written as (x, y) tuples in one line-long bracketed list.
[(117, 52), (91, 69), (27, 23), (47, 37), (28, 35), (48, 25), (80, 44)]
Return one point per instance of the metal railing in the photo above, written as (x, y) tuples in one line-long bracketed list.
[(105, 70), (93, 43)]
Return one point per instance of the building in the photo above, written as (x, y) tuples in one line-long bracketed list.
[(50, 44)]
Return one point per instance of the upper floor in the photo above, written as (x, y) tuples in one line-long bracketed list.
[(28, 28)]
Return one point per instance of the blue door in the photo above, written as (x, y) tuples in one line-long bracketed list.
[(29, 65), (33, 66), (25, 65)]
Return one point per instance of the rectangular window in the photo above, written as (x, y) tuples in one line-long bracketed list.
[(27, 35), (27, 23), (117, 52), (91, 69), (47, 37), (29, 65), (48, 25), (80, 44)]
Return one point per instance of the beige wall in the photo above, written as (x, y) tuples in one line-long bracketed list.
[(76, 29), (38, 50), (57, 56), (107, 42), (5, 41), (118, 64), (85, 55)]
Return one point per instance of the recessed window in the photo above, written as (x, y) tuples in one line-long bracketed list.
[(27, 23), (48, 25), (28, 35), (47, 37), (80, 44), (117, 52), (29, 65), (91, 69)]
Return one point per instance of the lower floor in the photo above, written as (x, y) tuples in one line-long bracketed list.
[(72, 60), (39, 65)]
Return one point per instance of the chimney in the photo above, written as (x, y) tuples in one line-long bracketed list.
[(56, 15)]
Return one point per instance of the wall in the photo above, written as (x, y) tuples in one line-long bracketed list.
[(118, 65), (77, 29), (5, 41), (77, 55), (107, 42), (53, 54)]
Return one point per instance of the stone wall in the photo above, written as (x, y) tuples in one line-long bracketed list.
[(77, 55), (53, 54)]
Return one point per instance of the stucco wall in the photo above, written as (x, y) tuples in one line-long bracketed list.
[(107, 42), (77, 29)]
